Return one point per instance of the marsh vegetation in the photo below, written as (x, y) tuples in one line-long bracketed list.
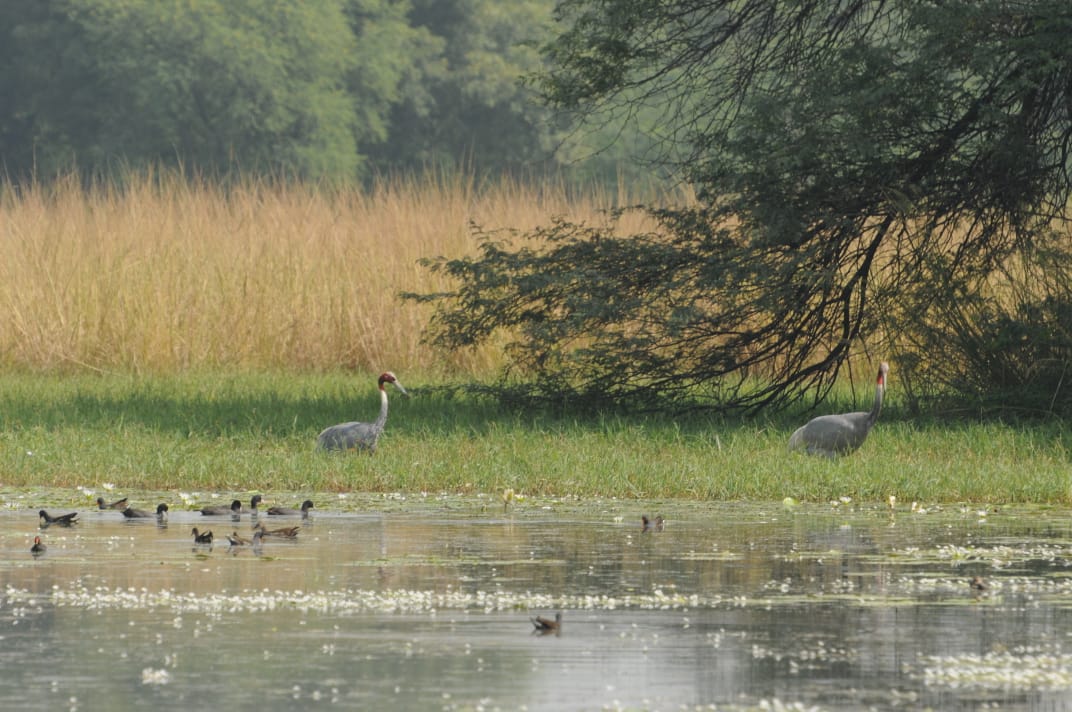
[(162, 273), (220, 432)]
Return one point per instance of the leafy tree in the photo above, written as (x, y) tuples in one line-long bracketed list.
[(392, 66), (468, 105), (856, 165), (257, 85)]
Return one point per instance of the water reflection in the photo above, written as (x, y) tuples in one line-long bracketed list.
[(429, 607)]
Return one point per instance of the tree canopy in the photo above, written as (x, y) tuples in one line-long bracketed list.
[(329, 89), (861, 168), (253, 83)]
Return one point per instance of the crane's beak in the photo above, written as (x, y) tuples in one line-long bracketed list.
[(399, 387)]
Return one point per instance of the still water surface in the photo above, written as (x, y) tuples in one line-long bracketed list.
[(426, 605)]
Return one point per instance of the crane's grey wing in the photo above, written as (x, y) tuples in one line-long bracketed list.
[(829, 435), (347, 436), (796, 440), (337, 437)]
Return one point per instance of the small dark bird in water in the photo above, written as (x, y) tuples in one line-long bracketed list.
[(290, 511), (132, 513), (118, 504), (651, 525), (235, 508), (234, 539), (282, 532), (38, 548), (63, 520), (977, 584), (202, 537), (253, 502), (546, 625)]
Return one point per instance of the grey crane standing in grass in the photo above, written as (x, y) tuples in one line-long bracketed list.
[(833, 435), (360, 436)]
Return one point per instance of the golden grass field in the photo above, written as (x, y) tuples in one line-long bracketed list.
[(168, 274)]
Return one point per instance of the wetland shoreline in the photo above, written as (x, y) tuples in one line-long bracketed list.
[(222, 432)]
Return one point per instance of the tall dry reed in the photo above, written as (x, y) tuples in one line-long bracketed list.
[(166, 273)]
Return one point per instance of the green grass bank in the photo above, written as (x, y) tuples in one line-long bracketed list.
[(221, 432)]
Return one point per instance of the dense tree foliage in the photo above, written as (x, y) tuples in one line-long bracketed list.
[(331, 88), (862, 168), (252, 84), (471, 102)]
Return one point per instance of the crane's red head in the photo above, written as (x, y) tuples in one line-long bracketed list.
[(388, 377), (883, 369)]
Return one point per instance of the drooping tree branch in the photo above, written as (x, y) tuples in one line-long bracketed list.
[(846, 157)]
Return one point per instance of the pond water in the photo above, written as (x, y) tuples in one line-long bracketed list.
[(392, 604)]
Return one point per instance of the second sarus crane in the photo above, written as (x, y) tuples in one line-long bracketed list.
[(833, 435)]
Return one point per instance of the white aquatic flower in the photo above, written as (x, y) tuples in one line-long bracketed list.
[(155, 677), (108, 486)]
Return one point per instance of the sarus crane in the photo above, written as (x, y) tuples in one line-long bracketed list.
[(833, 435), (360, 436)]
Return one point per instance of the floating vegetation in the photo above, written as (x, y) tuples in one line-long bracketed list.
[(806, 658), (1005, 670), (1059, 589), (343, 602), (149, 676), (1000, 556)]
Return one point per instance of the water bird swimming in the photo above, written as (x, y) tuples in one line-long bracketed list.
[(282, 532), (648, 525), (202, 537), (38, 548), (132, 513), (235, 540), (63, 520), (234, 509), (833, 435), (290, 511), (118, 504), (546, 625), (360, 436)]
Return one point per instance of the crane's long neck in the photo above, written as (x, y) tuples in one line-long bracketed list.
[(382, 420), (880, 388)]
